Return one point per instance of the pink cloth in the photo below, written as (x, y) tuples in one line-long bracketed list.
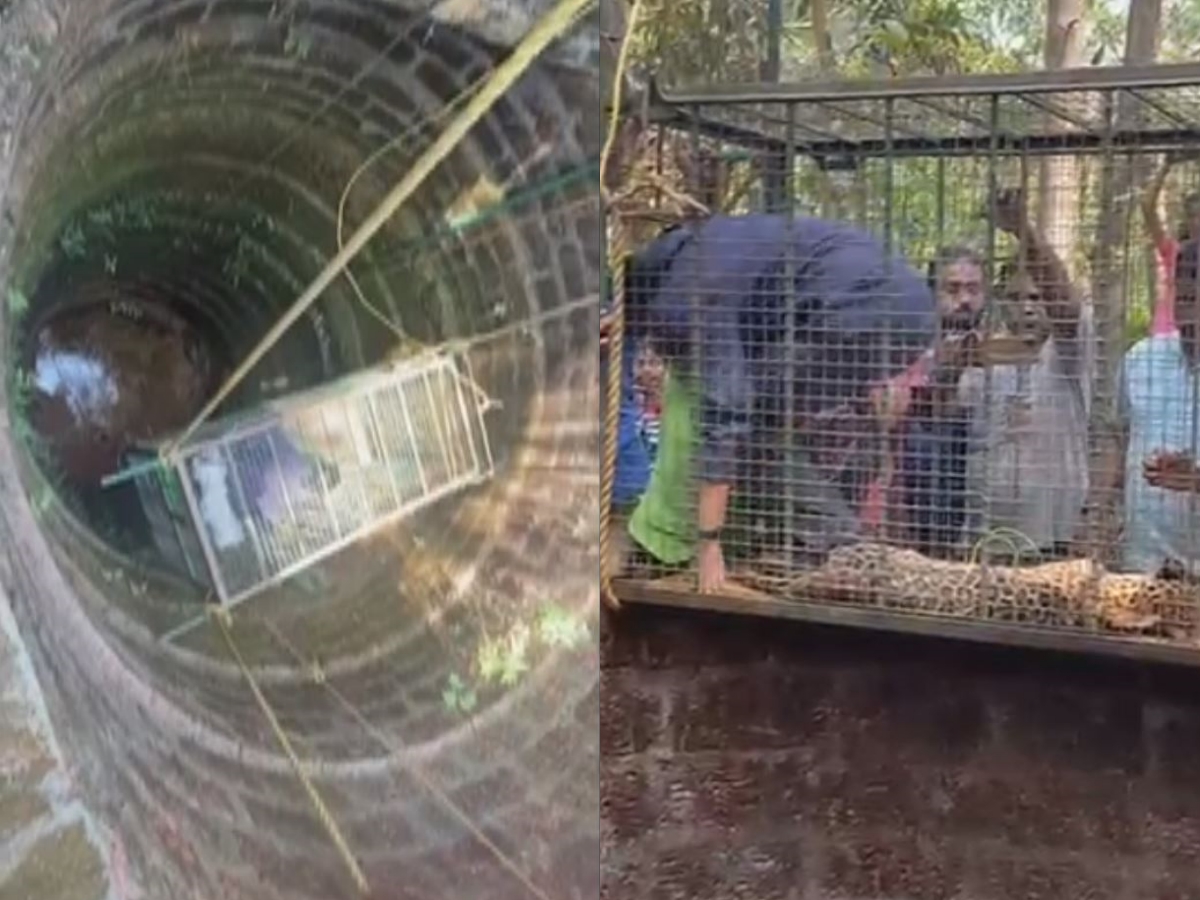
[(899, 391), (1163, 321)]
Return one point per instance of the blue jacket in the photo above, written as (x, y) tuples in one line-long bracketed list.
[(634, 460), (859, 317)]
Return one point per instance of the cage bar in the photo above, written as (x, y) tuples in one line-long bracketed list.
[(977, 485), (269, 494)]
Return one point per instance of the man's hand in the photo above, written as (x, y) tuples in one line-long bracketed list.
[(1011, 215), (1172, 472), (957, 352), (608, 321), (710, 561)]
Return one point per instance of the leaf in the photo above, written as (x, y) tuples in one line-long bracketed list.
[(895, 30), (559, 628), (490, 661), (514, 667), (457, 697), (18, 303)]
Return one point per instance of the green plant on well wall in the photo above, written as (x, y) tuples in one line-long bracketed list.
[(503, 661), (18, 303), (73, 242), (21, 388), (458, 696), (561, 628)]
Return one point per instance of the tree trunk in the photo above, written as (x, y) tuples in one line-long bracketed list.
[(1121, 181), (818, 13), (1058, 176), (831, 196)]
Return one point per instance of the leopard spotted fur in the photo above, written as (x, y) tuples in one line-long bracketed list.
[(1074, 593)]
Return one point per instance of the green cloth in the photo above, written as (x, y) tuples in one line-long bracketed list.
[(664, 522)]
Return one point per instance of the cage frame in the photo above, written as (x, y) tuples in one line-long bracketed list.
[(687, 112), (681, 110), (473, 405)]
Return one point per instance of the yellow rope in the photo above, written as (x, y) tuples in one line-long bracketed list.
[(223, 619), (552, 26), (395, 143), (392, 747), (616, 266)]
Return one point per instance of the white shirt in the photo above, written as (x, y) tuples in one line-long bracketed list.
[(1033, 479), (216, 510), (1160, 395)]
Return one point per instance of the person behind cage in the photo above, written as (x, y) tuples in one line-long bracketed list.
[(1162, 479), (643, 380), (1165, 244), (1029, 421), (923, 492), (638, 418), (715, 308)]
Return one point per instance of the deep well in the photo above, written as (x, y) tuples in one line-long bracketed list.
[(209, 143), (750, 758)]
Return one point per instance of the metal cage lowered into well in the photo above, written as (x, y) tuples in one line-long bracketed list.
[(257, 497), (934, 336)]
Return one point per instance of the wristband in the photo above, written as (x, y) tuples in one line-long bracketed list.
[(711, 535)]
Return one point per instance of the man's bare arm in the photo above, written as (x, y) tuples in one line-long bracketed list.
[(1042, 263), (1053, 282), (1154, 223), (712, 505)]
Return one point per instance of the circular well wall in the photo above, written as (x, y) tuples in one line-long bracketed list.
[(189, 158)]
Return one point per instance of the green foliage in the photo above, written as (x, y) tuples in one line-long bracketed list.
[(1180, 31), (298, 43), (458, 696), (725, 40), (505, 660), (561, 628), (687, 43), (1137, 323), (237, 264), (73, 242), (21, 390), (43, 500), (196, 223), (18, 303), (502, 661), (926, 36)]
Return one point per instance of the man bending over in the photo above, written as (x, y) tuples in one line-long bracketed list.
[(717, 310)]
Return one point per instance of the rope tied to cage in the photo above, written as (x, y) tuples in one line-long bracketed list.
[(622, 208), (553, 25), (616, 271), (224, 620), (393, 747)]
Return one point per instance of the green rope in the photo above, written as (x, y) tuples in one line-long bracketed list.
[(514, 200)]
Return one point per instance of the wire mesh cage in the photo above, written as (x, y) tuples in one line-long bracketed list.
[(925, 362), (258, 497)]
